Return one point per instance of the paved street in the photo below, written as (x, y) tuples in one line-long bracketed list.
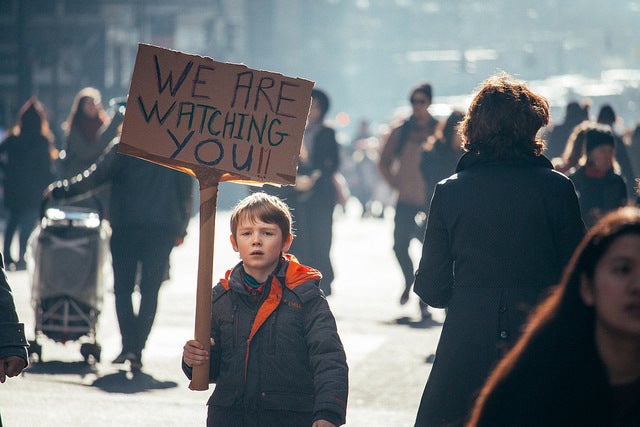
[(386, 345)]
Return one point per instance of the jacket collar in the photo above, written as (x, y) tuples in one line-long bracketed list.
[(289, 272), (470, 160)]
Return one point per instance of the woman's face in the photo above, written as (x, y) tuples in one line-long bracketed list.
[(601, 157), (89, 107), (420, 104), (615, 290)]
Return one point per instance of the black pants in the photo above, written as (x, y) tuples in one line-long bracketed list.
[(406, 229), (313, 221), (24, 221), (148, 248)]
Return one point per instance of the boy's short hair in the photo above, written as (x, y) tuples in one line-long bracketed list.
[(266, 208)]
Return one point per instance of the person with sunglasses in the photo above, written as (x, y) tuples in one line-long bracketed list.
[(399, 165)]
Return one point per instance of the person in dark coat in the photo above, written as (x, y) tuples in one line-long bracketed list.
[(578, 363), (88, 131), (150, 209), (499, 232), (314, 196), (607, 116), (276, 357), (13, 343), (600, 189), (575, 113), (441, 155), (27, 157), (399, 166)]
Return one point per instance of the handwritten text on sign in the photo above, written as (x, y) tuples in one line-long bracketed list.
[(190, 112)]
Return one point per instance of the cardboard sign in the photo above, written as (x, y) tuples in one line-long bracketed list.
[(190, 112)]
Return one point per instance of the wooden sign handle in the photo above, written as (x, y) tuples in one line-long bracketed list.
[(208, 203)]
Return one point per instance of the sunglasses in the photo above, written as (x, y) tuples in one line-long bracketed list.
[(420, 101)]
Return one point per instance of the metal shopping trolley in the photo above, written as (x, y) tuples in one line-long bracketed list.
[(69, 264)]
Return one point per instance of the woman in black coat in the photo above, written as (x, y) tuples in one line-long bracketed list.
[(27, 158), (313, 198), (498, 235)]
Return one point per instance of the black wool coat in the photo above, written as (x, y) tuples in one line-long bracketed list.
[(498, 236)]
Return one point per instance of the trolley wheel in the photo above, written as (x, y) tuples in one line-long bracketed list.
[(91, 352), (35, 352)]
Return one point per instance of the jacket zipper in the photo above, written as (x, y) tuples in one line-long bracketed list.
[(235, 325)]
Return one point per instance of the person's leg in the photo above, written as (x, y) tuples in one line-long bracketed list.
[(421, 227), (154, 256), (9, 231), (403, 232), (125, 260), (27, 223), (321, 234)]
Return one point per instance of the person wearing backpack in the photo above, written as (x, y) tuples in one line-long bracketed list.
[(399, 165)]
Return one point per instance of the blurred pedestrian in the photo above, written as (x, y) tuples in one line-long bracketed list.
[(633, 149), (27, 159), (574, 152), (359, 167), (575, 113), (88, 130), (314, 196), (442, 153), (499, 232), (275, 356), (150, 210), (13, 343), (600, 189), (578, 363), (607, 116), (400, 166)]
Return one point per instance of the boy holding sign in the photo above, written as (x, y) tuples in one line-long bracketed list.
[(275, 356)]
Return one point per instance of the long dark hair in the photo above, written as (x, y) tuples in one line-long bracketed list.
[(77, 117), (32, 121)]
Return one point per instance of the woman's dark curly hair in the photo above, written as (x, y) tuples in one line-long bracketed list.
[(504, 119)]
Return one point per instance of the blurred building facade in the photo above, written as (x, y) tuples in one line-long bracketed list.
[(365, 53)]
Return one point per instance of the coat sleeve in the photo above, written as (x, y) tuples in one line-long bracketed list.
[(388, 156), (12, 339), (98, 174), (326, 153), (326, 356), (434, 278)]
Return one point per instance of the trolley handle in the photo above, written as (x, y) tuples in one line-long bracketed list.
[(47, 202)]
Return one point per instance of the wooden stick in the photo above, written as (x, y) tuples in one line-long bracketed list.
[(208, 203)]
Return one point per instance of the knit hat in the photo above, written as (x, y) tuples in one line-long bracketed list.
[(597, 136)]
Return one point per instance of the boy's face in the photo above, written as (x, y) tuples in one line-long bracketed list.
[(601, 157), (259, 245)]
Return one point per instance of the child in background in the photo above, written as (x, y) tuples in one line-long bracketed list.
[(600, 189), (275, 357)]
